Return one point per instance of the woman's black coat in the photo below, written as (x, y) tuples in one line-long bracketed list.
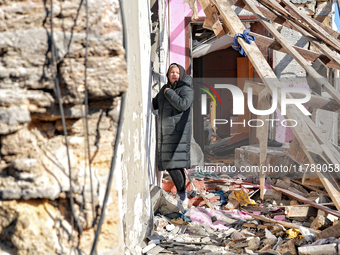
[(174, 123)]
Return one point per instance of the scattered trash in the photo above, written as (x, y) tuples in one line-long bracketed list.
[(238, 224), (293, 233)]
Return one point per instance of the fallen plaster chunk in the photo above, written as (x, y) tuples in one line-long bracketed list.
[(318, 249), (248, 251), (309, 235), (254, 243), (163, 202), (282, 183), (170, 227), (332, 218), (270, 238), (272, 194), (229, 232), (300, 211), (287, 248), (148, 248), (155, 250), (320, 222), (265, 248), (206, 239)]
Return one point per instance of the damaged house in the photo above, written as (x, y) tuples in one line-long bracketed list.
[(78, 136)]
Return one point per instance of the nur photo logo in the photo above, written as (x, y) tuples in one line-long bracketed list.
[(283, 99)]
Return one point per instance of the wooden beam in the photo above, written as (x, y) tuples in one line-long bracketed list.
[(262, 136), (289, 48), (309, 55), (329, 30), (307, 201), (273, 5), (310, 187), (268, 14), (261, 132), (250, 225), (305, 137), (318, 29), (300, 211), (280, 20), (211, 22), (256, 86), (318, 102), (279, 222), (307, 32), (305, 205), (281, 40)]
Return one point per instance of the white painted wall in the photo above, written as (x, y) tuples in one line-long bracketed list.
[(135, 166)]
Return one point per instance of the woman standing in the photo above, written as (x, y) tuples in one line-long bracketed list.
[(174, 102)]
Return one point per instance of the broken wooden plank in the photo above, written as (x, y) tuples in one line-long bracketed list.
[(280, 20), (327, 37), (313, 182), (279, 222), (310, 187), (305, 205), (261, 132), (316, 102), (310, 71), (300, 211), (250, 225), (306, 138), (309, 55), (269, 15), (273, 5), (307, 32), (211, 22), (319, 102), (288, 47), (262, 136), (307, 201), (320, 46), (284, 43)]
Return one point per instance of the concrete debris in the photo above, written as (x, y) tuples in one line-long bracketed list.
[(242, 222), (254, 243), (318, 249), (320, 222)]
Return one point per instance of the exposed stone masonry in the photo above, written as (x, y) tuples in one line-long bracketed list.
[(35, 216)]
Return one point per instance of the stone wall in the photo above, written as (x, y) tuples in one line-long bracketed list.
[(35, 210)]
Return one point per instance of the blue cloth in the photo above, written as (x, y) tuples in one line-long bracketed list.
[(245, 36), (221, 194)]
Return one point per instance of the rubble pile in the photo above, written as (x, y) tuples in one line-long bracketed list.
[(292, 218)]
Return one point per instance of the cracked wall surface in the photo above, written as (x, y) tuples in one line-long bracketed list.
[(34, 182)]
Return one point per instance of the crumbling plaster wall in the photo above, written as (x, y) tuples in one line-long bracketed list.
[(136, 163), (35, 210)]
